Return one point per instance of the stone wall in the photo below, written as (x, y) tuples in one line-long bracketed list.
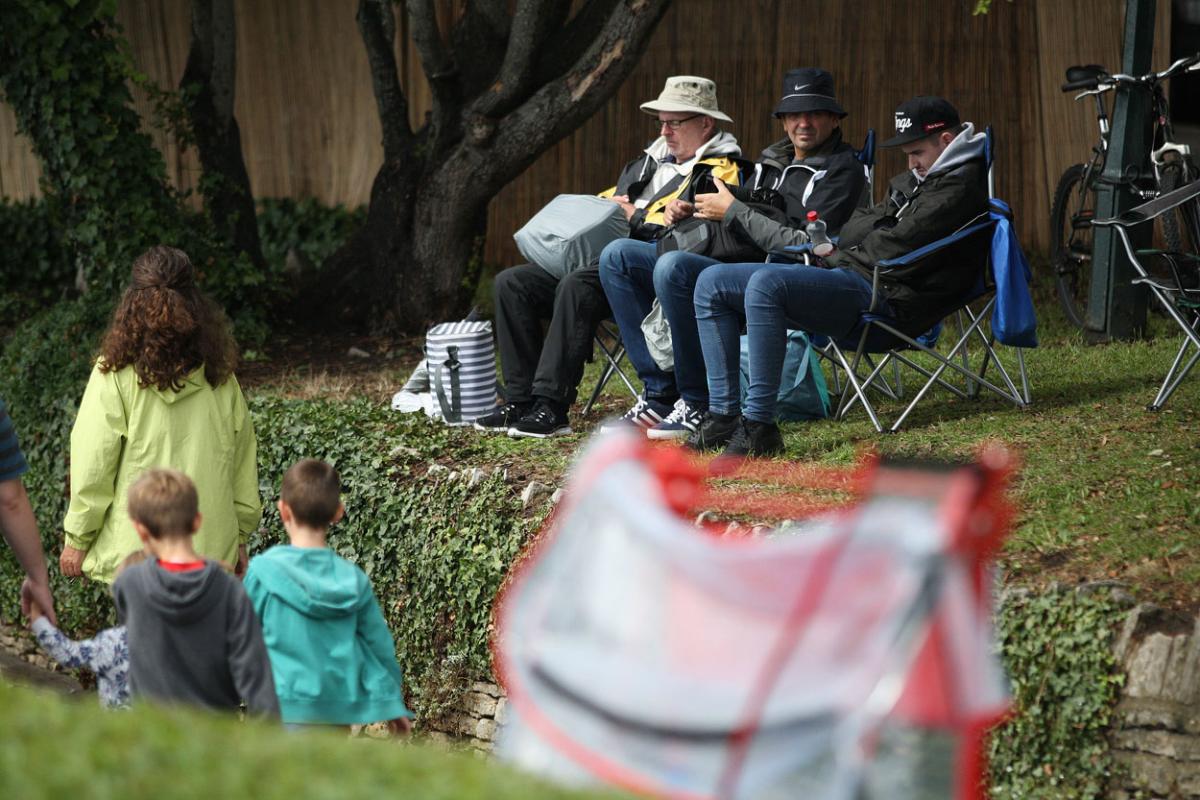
[(1156, 737), (475, 720)]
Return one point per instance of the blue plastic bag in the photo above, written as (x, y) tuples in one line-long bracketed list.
[(1013, 320), (803, 393)]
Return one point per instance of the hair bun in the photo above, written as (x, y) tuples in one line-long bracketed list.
[(163, 267)]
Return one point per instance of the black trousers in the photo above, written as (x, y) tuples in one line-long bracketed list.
[(549, 366)]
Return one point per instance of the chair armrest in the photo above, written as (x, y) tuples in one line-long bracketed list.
[(802, 248), (933, 247), (1153, 208)]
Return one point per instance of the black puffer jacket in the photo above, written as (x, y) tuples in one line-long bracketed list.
[(831, 181), (916, 213)]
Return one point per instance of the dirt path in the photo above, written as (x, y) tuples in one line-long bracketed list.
[(16, 670)]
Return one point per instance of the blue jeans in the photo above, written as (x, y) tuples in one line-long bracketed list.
[(771, 298), (632, 275)]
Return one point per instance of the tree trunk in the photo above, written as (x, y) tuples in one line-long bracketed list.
[(418, 233), (207, 87), (417, 259)]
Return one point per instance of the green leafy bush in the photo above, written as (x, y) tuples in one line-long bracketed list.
[(1058, 650), (67, 76), (55, 749), (312, 229), (34, 269), (66, 79)]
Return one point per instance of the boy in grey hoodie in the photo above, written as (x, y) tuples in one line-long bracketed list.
[(193, 636)]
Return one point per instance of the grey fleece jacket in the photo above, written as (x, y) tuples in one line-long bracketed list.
[(194, 639)]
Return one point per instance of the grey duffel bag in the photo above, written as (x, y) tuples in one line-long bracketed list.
[(570, 231)]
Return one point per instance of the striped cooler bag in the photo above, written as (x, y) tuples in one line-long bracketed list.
[(462, 370)]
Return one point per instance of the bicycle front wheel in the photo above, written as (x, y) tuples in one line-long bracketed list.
[(1071, 240), (1179, 228)]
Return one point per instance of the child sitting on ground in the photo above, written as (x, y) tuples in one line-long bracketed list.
[(193, 636), (332, 654), (106, 654)]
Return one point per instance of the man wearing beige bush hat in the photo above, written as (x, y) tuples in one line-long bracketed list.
[(542, 372)]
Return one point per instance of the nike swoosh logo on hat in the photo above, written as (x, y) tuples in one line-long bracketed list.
[(805, 86)]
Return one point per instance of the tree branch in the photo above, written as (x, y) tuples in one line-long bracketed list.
[(560, 54), (440, 70), (208, 90), (478, 41), (534, 20), (495, 13), (564, 104), (377, 25)]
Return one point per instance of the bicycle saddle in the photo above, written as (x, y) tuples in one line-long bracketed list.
[(1085, 73)]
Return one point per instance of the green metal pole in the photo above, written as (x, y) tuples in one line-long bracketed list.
[(1117, 308)]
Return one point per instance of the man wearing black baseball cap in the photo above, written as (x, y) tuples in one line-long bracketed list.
[(811, 169), (944, 188)]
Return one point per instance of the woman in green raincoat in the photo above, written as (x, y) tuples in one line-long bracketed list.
[(161, 394)]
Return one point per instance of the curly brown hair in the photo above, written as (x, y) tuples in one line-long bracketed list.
[(166, 327)]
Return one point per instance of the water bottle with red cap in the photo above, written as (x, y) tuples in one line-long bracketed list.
[(822, 245)]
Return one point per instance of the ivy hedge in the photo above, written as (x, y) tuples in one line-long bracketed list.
[(67, 73), (437, 551), (34, 269), (1058, 649)]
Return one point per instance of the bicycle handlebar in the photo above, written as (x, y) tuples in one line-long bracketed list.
[(1106, 83)]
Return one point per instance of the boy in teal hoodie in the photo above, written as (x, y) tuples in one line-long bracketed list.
[(332, 655)]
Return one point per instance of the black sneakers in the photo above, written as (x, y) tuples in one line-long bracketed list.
[(542, 421), (501, 418), (715, 431), (753, 438)]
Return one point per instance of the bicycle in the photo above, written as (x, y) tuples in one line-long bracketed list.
[(1074, 203)]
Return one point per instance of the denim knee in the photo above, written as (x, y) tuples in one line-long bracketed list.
[(766, 286), (668, 270), (613, 258), (705, 292)]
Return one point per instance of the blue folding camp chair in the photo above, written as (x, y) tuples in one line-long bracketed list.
[(866, 156), (879, 342)]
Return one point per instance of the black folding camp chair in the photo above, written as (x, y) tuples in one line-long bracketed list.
[(608, 342), (1176, 290)]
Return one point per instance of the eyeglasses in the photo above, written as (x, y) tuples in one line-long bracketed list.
[(674, 124)]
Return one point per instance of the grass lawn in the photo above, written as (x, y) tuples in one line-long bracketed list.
[(55, 749), (1107, 490)]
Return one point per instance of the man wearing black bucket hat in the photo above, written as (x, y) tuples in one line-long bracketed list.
[(944, 188), (811, 169)]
